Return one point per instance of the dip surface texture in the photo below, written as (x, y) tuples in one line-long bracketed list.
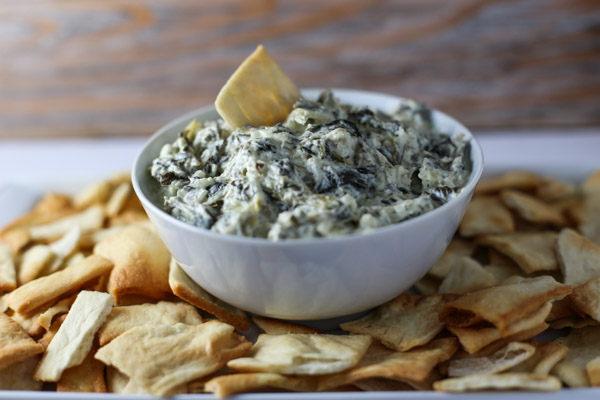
[(330, 169)]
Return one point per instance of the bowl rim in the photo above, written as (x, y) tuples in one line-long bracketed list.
[(466, 191)]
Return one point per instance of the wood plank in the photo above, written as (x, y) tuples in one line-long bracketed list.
[(117, 67)]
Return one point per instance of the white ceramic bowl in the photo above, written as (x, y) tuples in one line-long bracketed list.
[(315, 278)]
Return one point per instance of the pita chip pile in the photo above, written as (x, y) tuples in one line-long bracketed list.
[(92, 301)]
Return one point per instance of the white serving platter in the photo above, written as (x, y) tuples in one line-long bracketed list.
[(29, 169)]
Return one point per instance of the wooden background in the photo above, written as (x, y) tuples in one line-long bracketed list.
[(117, 67)]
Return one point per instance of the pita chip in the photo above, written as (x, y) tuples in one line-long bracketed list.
[(589, 224), (258, 93), (95, 193), (593, 371), (486, 215), (62, 307), (531, 209), (34, 261), (44, 290), (578, 257), (519, 180), (8, 274), (89, 219), (86, 377), (456, 249), (123, 318), (415, 365), (506, 381), (546, 356), (15, 344), (512, 354), (503, 305), (186, 289), (585, 298), (583, 348), (473, 339), (228, 385), (467, 275), (141, 263), (160, 358), (118, 199), (274, 326), (532, 251), (74, 338), (20, 376), (405, 322), (304, 354)]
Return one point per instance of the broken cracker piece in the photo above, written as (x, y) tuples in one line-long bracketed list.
[(123, 318), (405, 322), (15, 344), (160, 358), (74, 338), (305, 354), (186, 289), (258, 93)]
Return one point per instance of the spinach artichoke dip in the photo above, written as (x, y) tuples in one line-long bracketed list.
[(330, 169)]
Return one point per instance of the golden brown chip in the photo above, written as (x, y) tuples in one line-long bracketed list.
[(593, 371), (274, 326), (38, 292), (560, 309), (89, 219), (85, 377), (456, 249), (51, 332), (305, 354), (589, 224), (506, 381), (578, 257), (90, 239), (573, 322), (427, 285), (552, 189), (546, 356), (571, 374), (591, 183), (15, 344), (381, 362), (62, 307), (74, 338), (486, 215), (583, 348), (95, 193), (20, 376), (585, 298), (503, 305), (473, 339), (141, 263), (405, 322), (512, 354), (8, 274), (227, 385), (186, 289), (123, 318), (519, 180), (467, 275), (532, 251), (118, 199), (160, 358), (33, 262), (531, 209), (258, 93)]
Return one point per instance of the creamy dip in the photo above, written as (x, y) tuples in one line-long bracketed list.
[(330, 169)]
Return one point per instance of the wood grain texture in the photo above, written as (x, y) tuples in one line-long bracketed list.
[(117, 67)]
